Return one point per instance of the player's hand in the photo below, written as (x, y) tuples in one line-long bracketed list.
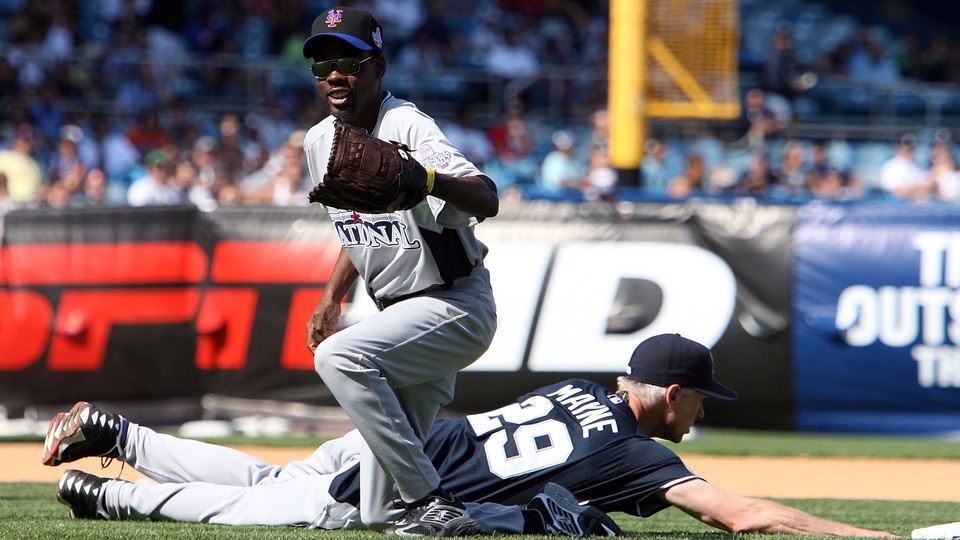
[(322, 324)]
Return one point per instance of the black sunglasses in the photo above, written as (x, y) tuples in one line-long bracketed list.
[(347, 66)]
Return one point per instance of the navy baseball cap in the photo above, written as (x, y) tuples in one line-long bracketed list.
[(672, 359), (358, 27)]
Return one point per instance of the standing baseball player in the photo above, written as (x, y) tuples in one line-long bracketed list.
[(594, 441), (419, 260)]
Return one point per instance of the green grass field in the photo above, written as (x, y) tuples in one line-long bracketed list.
[(29, 510), (730, 442)]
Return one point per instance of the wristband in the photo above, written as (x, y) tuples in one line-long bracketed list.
[(431, 178)]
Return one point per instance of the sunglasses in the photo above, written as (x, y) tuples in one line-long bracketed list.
[(347, 66)]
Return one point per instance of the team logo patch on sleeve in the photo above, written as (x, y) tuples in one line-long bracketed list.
[(437, 161)]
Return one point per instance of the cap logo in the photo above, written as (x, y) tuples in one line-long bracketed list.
[(378, 38), (334, 17)]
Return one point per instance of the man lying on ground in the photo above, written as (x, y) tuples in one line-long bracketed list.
[(595, 442)]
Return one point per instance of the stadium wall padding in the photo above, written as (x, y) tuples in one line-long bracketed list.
[(823, 317)]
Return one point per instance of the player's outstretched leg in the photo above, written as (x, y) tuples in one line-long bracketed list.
[(84, 431), (562, 514), (436, 515), (82, 492)]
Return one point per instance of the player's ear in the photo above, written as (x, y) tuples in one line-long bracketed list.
[(381, 67), (673, 392)]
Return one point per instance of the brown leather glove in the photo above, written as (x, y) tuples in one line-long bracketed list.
[(370, 175)]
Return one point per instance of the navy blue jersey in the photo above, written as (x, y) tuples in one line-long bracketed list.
[(576, 433)]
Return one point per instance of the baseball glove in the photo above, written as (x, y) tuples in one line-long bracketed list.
[(370, 175)]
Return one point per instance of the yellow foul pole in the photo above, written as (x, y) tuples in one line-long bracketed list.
[(627, 88)]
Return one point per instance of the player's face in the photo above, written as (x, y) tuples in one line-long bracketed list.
[(352, 97), (687, 410)]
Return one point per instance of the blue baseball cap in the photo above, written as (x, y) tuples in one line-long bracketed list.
[(358, 27), (672, 359)]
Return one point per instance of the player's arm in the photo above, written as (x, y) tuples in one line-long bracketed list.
[(323, 322), (739, 514), (463, 186), (474, 195)]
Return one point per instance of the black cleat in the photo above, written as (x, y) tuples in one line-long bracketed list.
[(84, 431), (435, 516), (81, 492), (562, 514)]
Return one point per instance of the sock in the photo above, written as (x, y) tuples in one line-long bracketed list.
[(533, 522)]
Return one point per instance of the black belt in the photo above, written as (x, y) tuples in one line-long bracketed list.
[(384, 303)]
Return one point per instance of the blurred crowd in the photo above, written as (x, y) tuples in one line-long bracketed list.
[(872, 56), (120, 102), (801, 170), (114, 170), (133, 102)]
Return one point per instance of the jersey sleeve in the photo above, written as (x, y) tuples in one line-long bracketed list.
[(648, 467), (404, 123)]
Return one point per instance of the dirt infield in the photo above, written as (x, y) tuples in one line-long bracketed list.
[(835, 478)]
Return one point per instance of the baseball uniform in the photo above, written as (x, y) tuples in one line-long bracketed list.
[(576, 433), (393, 371)]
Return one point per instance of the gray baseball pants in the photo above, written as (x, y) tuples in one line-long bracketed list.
[(393, 371), (195, 482)]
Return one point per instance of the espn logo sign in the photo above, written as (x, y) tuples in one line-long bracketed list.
[(63, 301)]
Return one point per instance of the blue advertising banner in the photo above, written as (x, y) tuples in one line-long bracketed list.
[(876, 315)]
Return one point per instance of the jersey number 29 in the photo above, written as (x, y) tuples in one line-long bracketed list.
[(540, 443)]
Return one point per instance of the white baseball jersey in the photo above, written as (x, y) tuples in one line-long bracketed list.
[(404, 252), (393, 371)]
